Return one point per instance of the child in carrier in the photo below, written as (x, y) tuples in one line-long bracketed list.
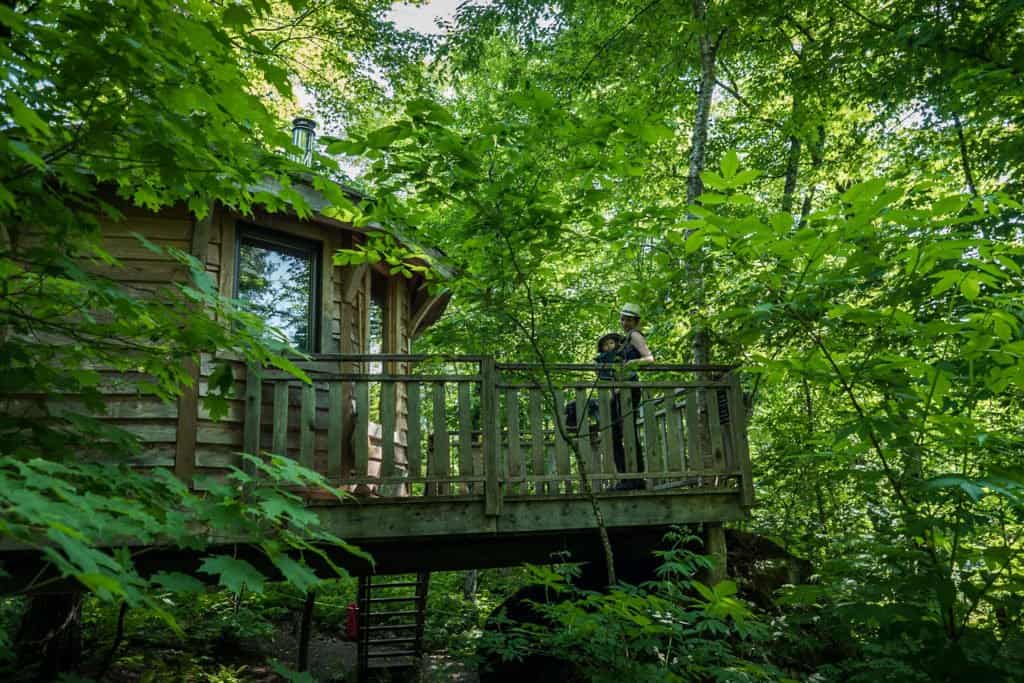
[(609, 351)]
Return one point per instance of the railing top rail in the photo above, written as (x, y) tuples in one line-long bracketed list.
[(402, 357), (592, 367)]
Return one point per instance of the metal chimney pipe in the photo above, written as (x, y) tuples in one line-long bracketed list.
[(303, 136)]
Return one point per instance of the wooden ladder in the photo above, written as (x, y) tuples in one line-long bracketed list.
[(391, 616)]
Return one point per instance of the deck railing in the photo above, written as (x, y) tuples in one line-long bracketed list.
[(468, 426)]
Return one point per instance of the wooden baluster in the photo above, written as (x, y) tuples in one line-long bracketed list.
[(695, 460), (604, 412), (738, 421), (362, 434), (715, 427), (493, 485), (334, 431), (307, 427), (515, 457), (628, 431), (438, 464), (253, 414), (561, 445), (279, 442), (583, 430), (537, 441), (652, 449), (387, 426), (413, 433), (466, 468), (673, 433)]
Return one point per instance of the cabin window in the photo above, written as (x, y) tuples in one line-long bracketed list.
[(377, 337), (278, 277)]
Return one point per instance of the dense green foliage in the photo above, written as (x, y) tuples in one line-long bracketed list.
[(844, 221), (825, 193)]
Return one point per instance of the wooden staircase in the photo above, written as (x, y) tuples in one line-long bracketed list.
[(391, 617)]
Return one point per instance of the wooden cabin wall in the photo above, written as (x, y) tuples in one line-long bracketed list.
[(153, 421), (184, 435)]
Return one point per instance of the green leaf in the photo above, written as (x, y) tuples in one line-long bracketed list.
[(25, 117), (695, 241), (970, 286), (946, 280), (730, 164), (297, 574), (177, 582), (233, 574), (655, 132), (237, 16)]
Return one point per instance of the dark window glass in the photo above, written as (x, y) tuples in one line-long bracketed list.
[(277, 275)]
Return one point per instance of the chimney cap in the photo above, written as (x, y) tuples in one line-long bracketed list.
[(303, 122)]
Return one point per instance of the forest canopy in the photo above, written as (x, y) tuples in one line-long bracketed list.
[(827, 194)]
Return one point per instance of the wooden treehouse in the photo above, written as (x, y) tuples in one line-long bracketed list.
[(454, 462)]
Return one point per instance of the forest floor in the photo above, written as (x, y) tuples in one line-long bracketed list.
[(331, 660)]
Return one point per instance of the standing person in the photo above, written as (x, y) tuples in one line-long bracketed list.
[(634, 350)]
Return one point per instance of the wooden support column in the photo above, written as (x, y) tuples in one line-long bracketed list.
[(188, 425), (253, 408), (352, 280), (492, 434), (714, 545), (188, 401), (738, 423)]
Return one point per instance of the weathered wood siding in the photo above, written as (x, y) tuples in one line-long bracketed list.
[(184, 435)]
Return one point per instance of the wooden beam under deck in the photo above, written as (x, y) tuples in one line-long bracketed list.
[(401, 520), (454, 533)]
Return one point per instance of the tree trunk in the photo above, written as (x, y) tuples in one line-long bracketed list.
[(50, 635), (793, 158), (697, 267), (469, 584), (698, 154), (965, 159), (817, 158), (819, 495)]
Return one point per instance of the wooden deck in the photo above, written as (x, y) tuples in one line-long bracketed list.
[(464, 451), (462, 462)]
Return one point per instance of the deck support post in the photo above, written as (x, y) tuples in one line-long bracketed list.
[(492, 435), (714, 545), (305, 628), (738, 420), (253, 407)]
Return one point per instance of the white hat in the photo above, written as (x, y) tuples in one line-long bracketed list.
[(631, 310)]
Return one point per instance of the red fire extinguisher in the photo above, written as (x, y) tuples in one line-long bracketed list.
[(352, 621)]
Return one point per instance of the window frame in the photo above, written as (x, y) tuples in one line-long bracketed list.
[(292, 245)]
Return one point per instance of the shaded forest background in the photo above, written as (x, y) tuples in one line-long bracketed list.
[(826, 193)]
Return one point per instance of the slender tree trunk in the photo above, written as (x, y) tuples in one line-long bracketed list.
[(792, 159), (50, 635), (817, 158), (819, 496), (965, 159), (305, 630), (469, 584), (708, 45)]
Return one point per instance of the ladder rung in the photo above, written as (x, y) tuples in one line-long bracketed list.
[(384, 627), (406, 599), (400, 584), (391, 641), (398, 613)]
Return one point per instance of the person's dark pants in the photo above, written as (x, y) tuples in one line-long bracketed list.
[(617, 438)]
